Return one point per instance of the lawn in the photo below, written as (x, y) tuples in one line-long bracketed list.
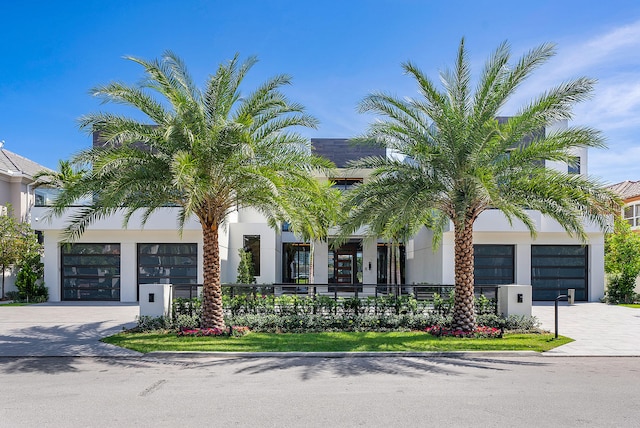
[(334, 342), (15, 304), (631, 305)]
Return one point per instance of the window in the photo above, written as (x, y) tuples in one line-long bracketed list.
[(251, 243), (90, 272), (573, 167), (167, 263), (384, 267), (345, 183), (632, 215), (295, 269), (493, 264)]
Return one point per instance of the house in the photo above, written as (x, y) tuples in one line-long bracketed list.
[(109, 262), (16, 190), (629, 191)]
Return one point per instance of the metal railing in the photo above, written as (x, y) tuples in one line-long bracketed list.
[(339, 292)]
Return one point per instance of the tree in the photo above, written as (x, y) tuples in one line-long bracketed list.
[(17, 241), (245, 268), (621, 262), (66, 174), (207, 152), (454, 159)]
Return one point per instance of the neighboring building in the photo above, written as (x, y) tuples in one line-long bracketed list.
[(16, 182), (16, 189), (629, 191), (108, 262)]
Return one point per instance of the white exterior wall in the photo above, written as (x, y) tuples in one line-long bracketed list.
[(423, 264), (523, 242), (128, 240), (160, 228), (268, 251)]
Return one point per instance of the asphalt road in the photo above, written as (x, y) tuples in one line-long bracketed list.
[(482, 391)]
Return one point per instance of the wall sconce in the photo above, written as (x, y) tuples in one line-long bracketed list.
[(369, 265)]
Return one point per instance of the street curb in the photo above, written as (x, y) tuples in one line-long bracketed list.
[(460, 354)]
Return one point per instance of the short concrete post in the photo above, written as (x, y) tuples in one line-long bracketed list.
[(155, 300), (514, 299)]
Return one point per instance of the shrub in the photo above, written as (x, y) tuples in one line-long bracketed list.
[(29, 280), (480, 332)]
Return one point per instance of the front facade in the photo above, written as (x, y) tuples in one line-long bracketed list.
[(109, 261)]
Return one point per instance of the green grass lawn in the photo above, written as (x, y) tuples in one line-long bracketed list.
[(631, 305), (15, 304), (334, 342)]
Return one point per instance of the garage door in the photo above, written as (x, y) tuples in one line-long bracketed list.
[(91, 272), (556, 268), (493, 264)]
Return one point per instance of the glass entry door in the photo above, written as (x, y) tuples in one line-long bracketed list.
[(344, 267)]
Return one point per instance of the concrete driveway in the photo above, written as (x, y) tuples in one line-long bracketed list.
[(64, 329), (598, 329)]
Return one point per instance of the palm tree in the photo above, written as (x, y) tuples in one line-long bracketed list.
[(207, 152), (65, 175), (456, 160)]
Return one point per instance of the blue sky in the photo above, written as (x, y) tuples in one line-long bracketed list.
[(52, 53)]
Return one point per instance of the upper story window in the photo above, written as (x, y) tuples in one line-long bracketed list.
[(632, 215), (345, 183), (573, 167)]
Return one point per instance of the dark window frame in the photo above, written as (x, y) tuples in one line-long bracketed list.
[(252, 243)]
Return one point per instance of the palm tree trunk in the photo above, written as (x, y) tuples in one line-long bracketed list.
[(212, 312), (463, 311)]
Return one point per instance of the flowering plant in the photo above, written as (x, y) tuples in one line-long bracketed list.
[(235, 331), (478, 333)]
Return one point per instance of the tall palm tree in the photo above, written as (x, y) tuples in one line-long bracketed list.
[(459, 160), (208, 152)]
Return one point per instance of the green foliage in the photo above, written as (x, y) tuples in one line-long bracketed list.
[(245, 268), (336, 322), (621, 262), (148, 323), (415, 341), (209, 151), (458, 164), (29, 279), (18, 246), (293, 313)]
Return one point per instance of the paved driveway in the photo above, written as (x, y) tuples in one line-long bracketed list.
[(598, 329), (64, 329)]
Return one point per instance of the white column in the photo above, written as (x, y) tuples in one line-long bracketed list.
[(128, 272)]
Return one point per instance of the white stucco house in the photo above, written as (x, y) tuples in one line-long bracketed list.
[(109, 261)]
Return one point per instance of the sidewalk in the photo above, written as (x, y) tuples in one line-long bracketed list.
[(597, 328), (64, 329)]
